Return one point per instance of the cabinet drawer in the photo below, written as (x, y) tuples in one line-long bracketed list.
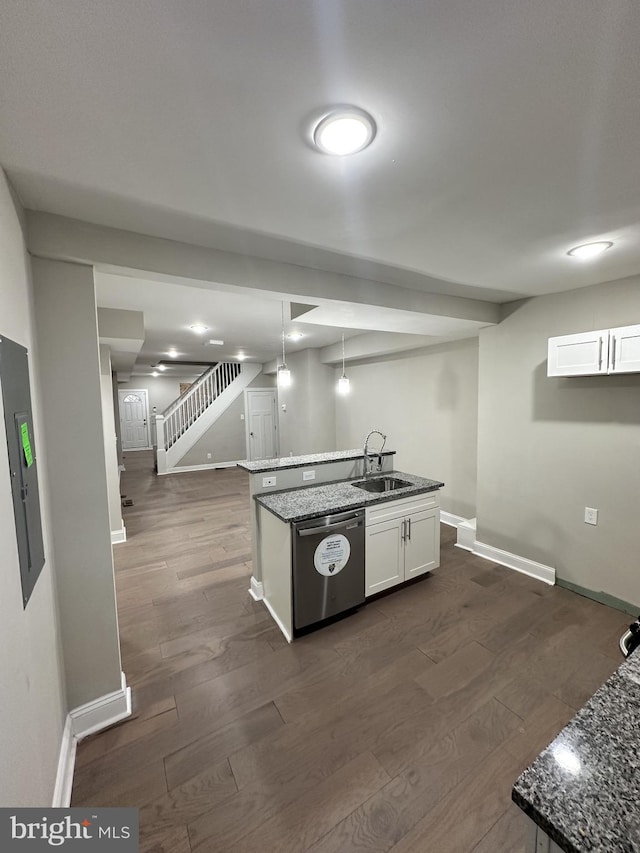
[(401, 507)]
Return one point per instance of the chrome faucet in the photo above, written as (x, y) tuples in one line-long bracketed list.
[(374, 467)]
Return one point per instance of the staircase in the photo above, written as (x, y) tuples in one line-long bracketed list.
[(188, 418)]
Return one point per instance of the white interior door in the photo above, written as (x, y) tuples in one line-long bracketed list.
[(261, 423), (134, 419)]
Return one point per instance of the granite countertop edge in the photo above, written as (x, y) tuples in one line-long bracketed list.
[(307, 502), (259, 466), (595, 809)]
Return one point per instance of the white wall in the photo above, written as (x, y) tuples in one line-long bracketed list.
[(427, 406), (308, 424), (32, 706), (548, 447), (67, 333)]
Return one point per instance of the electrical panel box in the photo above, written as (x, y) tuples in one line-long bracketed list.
[(23, 466)]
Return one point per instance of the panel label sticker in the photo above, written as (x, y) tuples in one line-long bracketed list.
[(26, 444), (332, 555)]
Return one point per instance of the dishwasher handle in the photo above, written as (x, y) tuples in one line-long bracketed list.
[(315, 531)]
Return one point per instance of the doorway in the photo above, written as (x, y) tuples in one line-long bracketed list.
[(261, 423), (134, 419)]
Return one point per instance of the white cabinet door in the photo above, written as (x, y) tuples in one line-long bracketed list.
[(624, 354), (422, 543), (585, 354), (384, 557)]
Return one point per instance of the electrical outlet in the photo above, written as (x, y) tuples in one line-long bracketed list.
[(208, 456), (268, 481), (242, 416), (590, 515), (308, 475)]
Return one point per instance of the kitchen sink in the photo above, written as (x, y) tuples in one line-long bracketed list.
[(382, 484)]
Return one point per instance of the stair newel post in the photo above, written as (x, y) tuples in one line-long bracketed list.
[(161, 452)]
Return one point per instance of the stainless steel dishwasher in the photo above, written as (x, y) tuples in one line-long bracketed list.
[(328, 566)]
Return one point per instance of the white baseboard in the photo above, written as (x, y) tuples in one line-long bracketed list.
[(102, 712), (119, 535), (66, 766), (184, 469), (256, 590), (277, 620), (450, 519), (547, 574), (467, 534)]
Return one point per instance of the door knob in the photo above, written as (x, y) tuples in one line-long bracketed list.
[(251, 434)]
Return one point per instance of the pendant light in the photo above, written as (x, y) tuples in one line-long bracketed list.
[(284, 374), (343, 382)]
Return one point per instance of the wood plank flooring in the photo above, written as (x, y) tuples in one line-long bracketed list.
[(400, 728)]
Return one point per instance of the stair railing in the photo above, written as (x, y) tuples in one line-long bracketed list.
[(184, 412)]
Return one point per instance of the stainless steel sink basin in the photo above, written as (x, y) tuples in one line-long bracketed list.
[(381, 484)]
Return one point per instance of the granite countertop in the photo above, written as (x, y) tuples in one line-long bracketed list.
[(313, 501), (584, 789), (260, 465)]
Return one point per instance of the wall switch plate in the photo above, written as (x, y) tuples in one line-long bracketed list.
[(208, 456), (242, 416), (590, 515), (308, 475), (268, 481)]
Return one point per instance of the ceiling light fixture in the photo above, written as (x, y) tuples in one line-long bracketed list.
[(284, 374), (161, 367), (343, 382), (172, 353), (590, 250), (215, 343), (241, 356), (295, 336), (198, 328), (155, 373), (344, 130)]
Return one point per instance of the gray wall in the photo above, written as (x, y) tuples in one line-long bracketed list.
[(33, 706), (548, 447), (226, 439), (66, 323), (427, 405), (110, 440), (308, 425)]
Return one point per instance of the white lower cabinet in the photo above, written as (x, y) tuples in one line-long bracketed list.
[(402, 541)]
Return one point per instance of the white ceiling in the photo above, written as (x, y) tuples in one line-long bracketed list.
[(508, 131), (249, 325)]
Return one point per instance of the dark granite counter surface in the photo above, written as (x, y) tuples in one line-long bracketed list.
[(260, 465), (314, 501), (584, 789)]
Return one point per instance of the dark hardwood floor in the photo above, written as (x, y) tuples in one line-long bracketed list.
[(400, 728)]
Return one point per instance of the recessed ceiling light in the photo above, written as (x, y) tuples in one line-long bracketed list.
[(589, 250), (172, 353), (241, 356), (344, 130), (155, 373), (161, 366), (295, 336), (198, 328), (215, 343)]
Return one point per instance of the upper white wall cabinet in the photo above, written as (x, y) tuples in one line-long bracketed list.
[(592, 353)]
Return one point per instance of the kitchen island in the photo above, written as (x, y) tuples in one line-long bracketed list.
[(401, 537), (583, 792), (289, 472)]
